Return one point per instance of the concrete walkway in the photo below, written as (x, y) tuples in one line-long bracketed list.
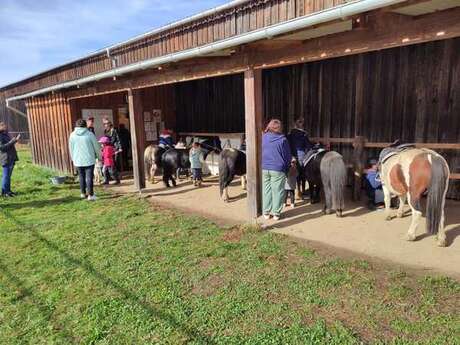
[(360, 231)]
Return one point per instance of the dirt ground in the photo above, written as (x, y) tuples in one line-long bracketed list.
[(360, 231)]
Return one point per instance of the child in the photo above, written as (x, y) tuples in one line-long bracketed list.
[(195, 163), (373, 185), (108, 159), (291, 182)]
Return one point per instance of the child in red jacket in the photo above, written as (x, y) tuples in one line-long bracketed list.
[(108, 159)]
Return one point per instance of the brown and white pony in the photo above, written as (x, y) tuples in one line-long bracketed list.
[(408, 174)]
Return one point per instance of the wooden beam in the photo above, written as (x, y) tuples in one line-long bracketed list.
[(253, 123), (137, 137)]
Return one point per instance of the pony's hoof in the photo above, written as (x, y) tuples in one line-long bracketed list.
[(388, 218), (328, 211), (339, 214), (410, 238), (399, 214), (442, 243)]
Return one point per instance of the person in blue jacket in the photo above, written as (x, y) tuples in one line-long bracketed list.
[(373, 185), (276, 160), (8, 158), (298, 140)]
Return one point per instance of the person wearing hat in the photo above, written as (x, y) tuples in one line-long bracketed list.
[(84, 150), (108, 160), (373, 185), (90, 124)]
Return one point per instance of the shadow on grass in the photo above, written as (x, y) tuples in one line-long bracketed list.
[(40, 203), (22, 292), (127, 294)]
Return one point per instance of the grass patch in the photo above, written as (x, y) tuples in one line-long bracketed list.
[(119, 271)]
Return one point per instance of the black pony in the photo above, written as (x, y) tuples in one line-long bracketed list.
[(325, 169), (173, 161), (232, 162)]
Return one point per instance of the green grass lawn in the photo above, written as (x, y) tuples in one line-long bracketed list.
[(120, 271)]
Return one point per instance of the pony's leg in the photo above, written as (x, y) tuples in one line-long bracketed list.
[(387, 199), (402, 202), (327, 199), (243, 182), (442, 241), (173, 181), (226, 194), (153, 171), (416, 215)]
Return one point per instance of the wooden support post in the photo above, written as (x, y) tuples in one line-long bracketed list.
[(253, 123), (358, 166), (136, 123)]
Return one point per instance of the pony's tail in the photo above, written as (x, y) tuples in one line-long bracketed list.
[(437, 194), (338, 180), (148, 161), (224, 173)]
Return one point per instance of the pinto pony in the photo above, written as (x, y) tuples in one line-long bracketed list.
[(409, 172), (232, 162), (326, 169)]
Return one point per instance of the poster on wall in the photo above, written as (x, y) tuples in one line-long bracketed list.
[(150, 124), (98, 115)]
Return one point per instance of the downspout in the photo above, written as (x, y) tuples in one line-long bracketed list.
[(339, 12)]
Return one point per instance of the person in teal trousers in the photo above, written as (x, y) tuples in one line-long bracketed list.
[(276, 159)]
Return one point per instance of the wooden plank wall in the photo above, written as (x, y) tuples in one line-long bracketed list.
[(211, 105), (252, 15), (161, 97), (51, 124), (410, 93), (16, 123)]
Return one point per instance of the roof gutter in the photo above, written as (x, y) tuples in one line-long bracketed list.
[(338, 12)]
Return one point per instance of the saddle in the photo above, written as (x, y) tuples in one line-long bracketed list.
[(393, 150), (312, 154)]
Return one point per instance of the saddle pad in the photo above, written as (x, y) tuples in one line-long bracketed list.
[(311, 156)]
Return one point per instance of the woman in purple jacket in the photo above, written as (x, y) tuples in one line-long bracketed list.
[(276, 159)]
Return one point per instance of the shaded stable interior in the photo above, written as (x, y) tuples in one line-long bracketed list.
[(378, 76)]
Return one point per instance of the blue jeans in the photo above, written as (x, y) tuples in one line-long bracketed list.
[(6, 178), (86, 176)]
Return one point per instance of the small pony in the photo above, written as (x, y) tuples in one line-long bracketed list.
[(409, 172)]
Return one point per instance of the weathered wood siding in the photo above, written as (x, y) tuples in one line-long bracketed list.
[(51, 124), (211, 105), (16, 123), (410, 93), (254, 14)]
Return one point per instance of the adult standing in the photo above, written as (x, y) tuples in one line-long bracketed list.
[(112, 134), (8, 158), (276, 159), (90, 124), (125, 141), (84, 150)]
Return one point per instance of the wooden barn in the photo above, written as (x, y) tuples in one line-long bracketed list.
[(362, 72)]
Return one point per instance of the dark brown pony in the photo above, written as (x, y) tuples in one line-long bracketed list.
[(408, 174)]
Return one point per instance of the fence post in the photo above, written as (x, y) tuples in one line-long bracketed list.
[(358, 166)]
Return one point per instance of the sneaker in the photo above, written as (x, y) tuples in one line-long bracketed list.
[(83, 196), (92, 198), (276, 218), (266, 216)]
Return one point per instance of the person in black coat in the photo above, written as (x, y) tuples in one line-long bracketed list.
[(8, 158)]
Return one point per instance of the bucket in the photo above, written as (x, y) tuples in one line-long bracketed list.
[(58, 180)]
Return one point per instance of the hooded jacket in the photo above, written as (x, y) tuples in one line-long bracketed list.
[(84, 148), (8, 154), (299, 141), (276, 153)]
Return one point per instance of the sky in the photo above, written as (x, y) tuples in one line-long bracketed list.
[(37, 35)]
